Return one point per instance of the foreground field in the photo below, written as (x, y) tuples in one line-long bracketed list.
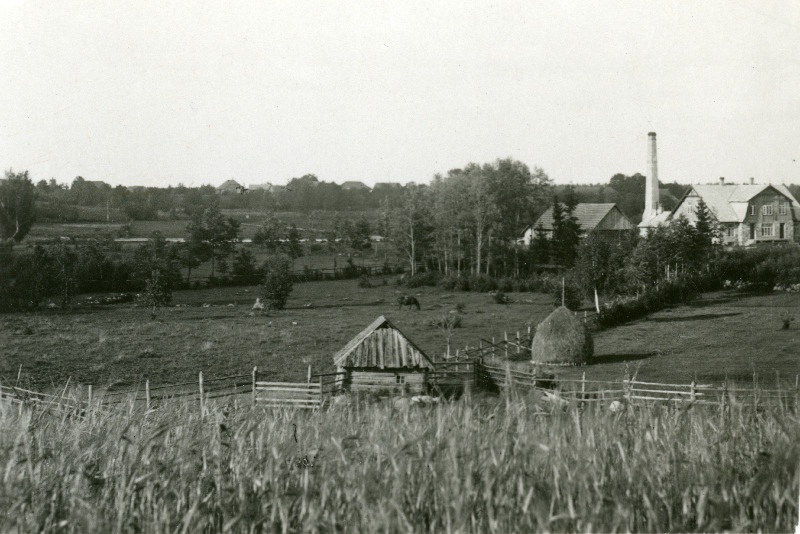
[(722, 335), (498, 466)]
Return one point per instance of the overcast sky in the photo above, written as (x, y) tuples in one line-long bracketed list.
[(156, 93)]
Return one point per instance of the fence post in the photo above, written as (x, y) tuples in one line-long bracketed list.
[(505, 334), (494, 347), (309, 374), (796, 391), (147, 394), (202, 394), (88, 402), (692, 391), (255, 370), (519, 346), (628, 385), (583, 386), (320, 390), (724, 396)]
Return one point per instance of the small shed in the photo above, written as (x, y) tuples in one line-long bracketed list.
[(382, 358)]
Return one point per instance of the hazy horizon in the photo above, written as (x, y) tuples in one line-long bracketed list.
[(156, 94)]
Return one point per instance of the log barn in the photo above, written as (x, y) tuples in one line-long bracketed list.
[(381, 358)]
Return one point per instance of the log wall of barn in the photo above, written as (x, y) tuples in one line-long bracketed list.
[(414, 382)]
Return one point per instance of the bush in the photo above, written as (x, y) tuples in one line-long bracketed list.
[(363, 281), (428, 278), (483, 283), (157, 292), (448, 321), (278, 281), (506, 285), (500, 298)]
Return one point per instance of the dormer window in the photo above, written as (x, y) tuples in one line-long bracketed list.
[(767, 209), (782, 208), (752, 209)]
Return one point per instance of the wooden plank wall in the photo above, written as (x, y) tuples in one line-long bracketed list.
[(385, 347)]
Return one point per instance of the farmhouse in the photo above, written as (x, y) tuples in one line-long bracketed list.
[(382, 358), (606, 219), (745, 214)]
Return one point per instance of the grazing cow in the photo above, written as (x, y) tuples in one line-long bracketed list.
[(258, 305), (405, 300)]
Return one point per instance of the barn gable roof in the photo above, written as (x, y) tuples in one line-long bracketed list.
[(381, 345), (589, 215)]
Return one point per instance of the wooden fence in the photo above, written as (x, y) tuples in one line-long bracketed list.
[(64, 403), (636, 391), (288, 394)]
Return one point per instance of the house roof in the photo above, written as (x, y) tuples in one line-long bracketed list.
[(588, 215), (388, 347), (659, 219), (729, 203), (354, 185), (229, 185)]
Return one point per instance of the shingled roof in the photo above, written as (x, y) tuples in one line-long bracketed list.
[(381, 345), (589, 216)]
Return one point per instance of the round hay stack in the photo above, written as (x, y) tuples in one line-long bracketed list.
[(562, 338)]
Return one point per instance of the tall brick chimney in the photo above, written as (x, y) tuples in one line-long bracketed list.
[(651, 183)]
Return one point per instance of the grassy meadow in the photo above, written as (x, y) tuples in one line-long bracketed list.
[(501, 465), (724, 334)]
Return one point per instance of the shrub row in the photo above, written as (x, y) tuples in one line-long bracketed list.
[(657, 297), (484, 283)]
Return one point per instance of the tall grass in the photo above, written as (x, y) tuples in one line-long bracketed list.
[(501, 466)]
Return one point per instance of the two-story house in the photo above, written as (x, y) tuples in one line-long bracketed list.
[(746, 214)]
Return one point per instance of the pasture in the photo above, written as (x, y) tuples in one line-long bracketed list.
[(725, 334)]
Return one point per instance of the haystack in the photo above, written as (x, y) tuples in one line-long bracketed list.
[(562, 338)]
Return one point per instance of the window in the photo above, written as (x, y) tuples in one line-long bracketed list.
[(766, 229), (752, 209), (782, 208), (399, 379), (766, 209), (752, 231), (730, 231)]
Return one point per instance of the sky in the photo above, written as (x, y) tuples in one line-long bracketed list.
[(154, 92)]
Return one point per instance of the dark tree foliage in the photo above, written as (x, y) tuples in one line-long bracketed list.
[(157, 292), (17, 206), (212, 236), (244, 268), (277, 285), (705, 232), (631, 194), (540, 246), (292, 245), (158, 255), (566, 233)]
